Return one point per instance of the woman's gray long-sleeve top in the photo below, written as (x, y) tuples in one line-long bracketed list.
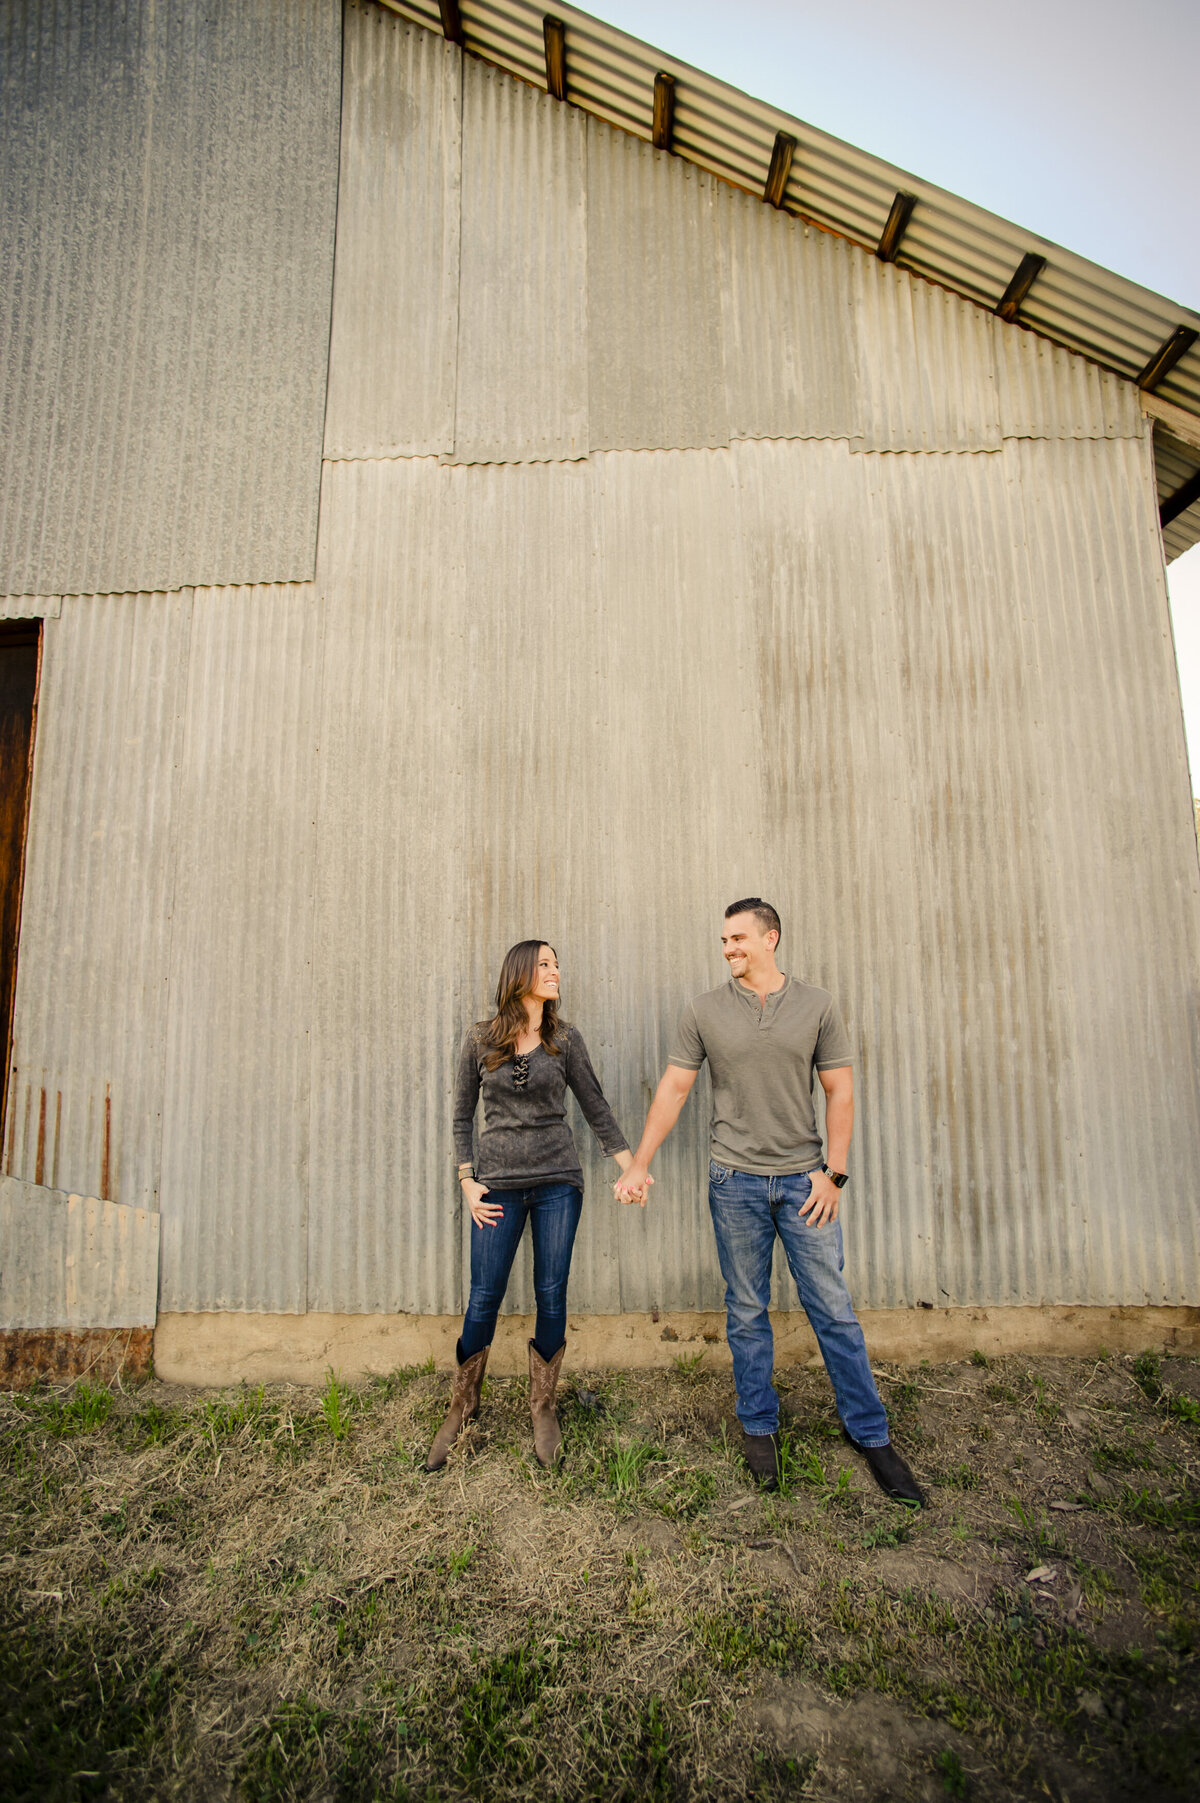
[(525, 1139)]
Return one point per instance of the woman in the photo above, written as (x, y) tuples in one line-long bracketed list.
[(523, 1060)]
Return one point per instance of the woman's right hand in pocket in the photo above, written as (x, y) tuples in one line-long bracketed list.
[(484, 1214)]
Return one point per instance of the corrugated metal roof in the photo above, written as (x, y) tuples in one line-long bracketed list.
[(168, 185), (89, 1024), (523, 311), (74, 1262), (1074, 302), (392, 351)]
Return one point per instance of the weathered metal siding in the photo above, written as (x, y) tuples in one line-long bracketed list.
[(389, 879), (522, 327), (89, 1026), (30, 607), (395, 295), (789, 325), (949, 240), (952, 650), (877, 709), (448, 815), (167, 199), (654, 298), (1046, 392), (281, 836), (74, 1262), (234, 1185), (925, 364), (1125, 864)]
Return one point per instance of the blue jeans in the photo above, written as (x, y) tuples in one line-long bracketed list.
[(552, 1210), (747, 1212)]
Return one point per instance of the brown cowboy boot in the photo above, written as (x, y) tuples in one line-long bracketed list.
[(464, 1406), (543, 1379)]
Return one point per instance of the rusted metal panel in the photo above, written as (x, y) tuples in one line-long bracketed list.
[(168, 186), (790, 343), (60, 1355), (89, 1025), (395, 302), (654, 298), (522, 388), (74, 1261), (235, 1098)]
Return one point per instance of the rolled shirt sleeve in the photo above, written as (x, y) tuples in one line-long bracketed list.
[(687, 1047), (833, 1042)]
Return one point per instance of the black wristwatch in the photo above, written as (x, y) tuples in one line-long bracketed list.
[(838, 1177)]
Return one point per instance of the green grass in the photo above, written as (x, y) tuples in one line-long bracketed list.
[(757, 1632), (338, 1404), (954, 1779), (81, 1410), (83, 1711), (256, 1594)]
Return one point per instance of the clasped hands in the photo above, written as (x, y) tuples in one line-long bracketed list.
[(635, 1181)]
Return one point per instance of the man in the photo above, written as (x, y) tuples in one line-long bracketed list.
[(763, 1034)]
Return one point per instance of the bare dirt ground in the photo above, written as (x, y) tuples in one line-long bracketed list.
[(260, 1594)]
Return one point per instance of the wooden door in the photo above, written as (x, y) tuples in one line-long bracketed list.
[(19, 644)]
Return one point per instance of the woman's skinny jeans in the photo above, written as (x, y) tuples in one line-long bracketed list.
[(552, 1210)]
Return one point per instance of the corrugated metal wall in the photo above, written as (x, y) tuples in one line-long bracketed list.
[(392, 351), (856, 600), (89, 1028), (168, 182), (523, 311), (75, 1262)]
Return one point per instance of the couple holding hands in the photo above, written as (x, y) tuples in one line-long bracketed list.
[(763, 1034)]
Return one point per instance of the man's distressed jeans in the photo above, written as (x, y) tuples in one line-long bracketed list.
[(747, 1212)]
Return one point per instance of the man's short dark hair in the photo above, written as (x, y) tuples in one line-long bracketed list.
[(762, 911)]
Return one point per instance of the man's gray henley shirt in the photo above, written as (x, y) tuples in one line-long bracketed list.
[(761, 1061)]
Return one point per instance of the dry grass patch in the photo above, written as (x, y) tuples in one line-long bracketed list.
[(261, 1595)]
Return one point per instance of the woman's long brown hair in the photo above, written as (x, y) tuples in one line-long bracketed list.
[(518, 975)]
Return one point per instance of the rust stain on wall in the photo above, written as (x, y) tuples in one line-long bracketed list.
[(106, 1154), (39, 1162), (30, 1355)]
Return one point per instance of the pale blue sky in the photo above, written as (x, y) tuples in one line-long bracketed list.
[(1063, 115)]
